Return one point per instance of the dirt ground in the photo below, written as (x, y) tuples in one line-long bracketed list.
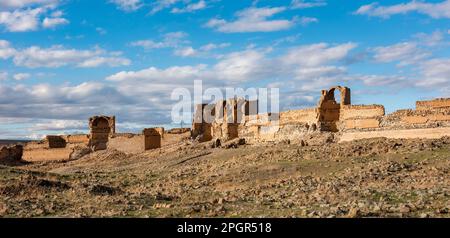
[(365, 178)]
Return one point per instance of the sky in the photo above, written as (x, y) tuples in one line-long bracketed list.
[(62, 61)]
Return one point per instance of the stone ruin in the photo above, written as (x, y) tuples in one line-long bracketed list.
[(55, 141), (102, 136), (222, 119), (238, 119), (11, 153), (101, 129), (152, 138), (332, 115), (329, 111)]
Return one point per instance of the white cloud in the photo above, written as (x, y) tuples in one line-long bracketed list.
[(304, 63), (30, 19), (101, 31), (253, 20), (52, 57), (21, 20), (434, 39), (128, 5), (3, 76), (212, 46), (53, 22), (406, 53), (6, 51), (436, 73), (109, 61), (159, 5), (156, 75), (58, 125), (185, 52), (434, 10), (317, 54), (191, 7), (307, 20), (25, 3), (170, 40), (300, 4), (77, 102), (381, 80), (203, 51), (21, 76), (57, 56)]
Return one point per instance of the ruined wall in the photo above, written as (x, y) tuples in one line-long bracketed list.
[(55, 141), (101, 128), (77, 139), (361, 116), (330, 115), (424, 133), (200, 128), (12, 152), (423, 118), (302, 116), (329, 110), (433, 104), (178, 130), (152, 139)]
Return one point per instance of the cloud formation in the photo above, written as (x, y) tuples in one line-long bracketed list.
[(253, 19), (41, 13), (434, 10), (58, 56)]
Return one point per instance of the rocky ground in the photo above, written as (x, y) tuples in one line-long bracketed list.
[(366, 178)]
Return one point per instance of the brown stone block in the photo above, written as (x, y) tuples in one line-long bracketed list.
[(55, 141), (415, 119), (152, 138), (362, 124)]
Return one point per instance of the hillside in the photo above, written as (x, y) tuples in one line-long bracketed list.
[(365, 178)]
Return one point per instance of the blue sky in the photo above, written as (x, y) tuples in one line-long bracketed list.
[(62, 61)]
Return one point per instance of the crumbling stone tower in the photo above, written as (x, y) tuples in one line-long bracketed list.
[(101, 128), (328, 110)]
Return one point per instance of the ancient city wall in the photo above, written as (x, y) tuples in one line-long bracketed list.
[(361, 111), (77, 139), (302, 116), (361, 116), (433, 104), (424, 133), (329, 116), (55, 141)]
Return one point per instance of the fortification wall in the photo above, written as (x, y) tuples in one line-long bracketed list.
[(302, 116), (46, 154), (433, 104), (353, 117), (77, 139), (424, 118), (55, 141), (361, 111), (425, 133)]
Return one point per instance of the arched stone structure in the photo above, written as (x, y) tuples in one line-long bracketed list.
[(101, 128), (328, 110)]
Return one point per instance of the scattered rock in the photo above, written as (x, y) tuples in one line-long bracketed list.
[(11, 153), (79, 151)]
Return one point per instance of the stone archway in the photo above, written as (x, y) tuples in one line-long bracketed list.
[(101, 128), (329, 109)]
